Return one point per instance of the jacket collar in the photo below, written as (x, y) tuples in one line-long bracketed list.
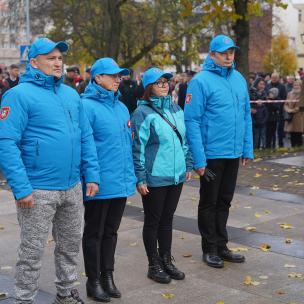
[(159, 102), (39, 78), (94, 91), (210, 65)]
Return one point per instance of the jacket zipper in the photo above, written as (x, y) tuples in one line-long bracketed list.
[(71, 128)]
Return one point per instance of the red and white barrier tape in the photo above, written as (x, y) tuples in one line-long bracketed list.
[(273, 101)]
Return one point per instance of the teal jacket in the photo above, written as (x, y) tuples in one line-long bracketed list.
[(159, 158)]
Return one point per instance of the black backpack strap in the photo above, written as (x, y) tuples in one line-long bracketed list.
[(167, 121)]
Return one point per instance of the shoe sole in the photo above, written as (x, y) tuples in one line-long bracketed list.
[(158, 281), (233, 261), (97, 299)]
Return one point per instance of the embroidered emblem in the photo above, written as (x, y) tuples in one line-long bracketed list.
[(129, 124), (188, 98), (4, 112)]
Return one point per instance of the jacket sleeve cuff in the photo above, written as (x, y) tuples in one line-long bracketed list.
[(92, 178), (21, 194)]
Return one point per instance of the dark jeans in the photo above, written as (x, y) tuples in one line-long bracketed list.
[(101, 222), (271, 134), (280, 130), (159, 206), (260, 137), (215, 201)]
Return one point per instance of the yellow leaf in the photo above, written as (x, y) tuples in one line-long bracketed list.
[(285, 176), (289, 266), (129, 203), (288, 241), (167, 295), (248, 281), (265, 247), (263, 277), (220, 302), (239, 249), (247, 207), (258, 175), (255, 187), (83, 274), (267, 211), (257, 159), (285, 226), (187, 255), (1, 227), (133, 244), (257, 215), (49, 241), (251, 228), (295, 275), (299, 184)]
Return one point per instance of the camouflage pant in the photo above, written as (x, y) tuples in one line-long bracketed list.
[(63, 210)]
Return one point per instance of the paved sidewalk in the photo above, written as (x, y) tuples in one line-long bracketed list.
[(279, 272)]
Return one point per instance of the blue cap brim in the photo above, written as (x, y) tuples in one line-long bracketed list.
[(225, 48), (121, 71), (61, 46)]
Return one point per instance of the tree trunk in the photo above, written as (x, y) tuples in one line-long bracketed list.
[(112, 28), (241, 30)]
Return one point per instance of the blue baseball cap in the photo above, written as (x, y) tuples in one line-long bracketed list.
[(221, 43), (44, 46), (153, 74), (107, 66)]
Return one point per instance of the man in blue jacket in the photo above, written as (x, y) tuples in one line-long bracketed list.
[(45, 141), (219, 133)]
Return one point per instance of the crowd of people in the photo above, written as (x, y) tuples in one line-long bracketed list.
[(65, 140)]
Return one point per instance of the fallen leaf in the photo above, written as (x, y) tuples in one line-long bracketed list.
[(187, 255), (285, 226), (247, 207), (133, 244), (258, 175), (255, 188), (280, 292), (1, 227), (257, 215), (251, 228), (239, 249), (83, 274), (285, 176), (129, 203), (299, 184), (257, 160), (289, 266), (6, 267), (248, 281), (167, 295), (295, 275), (288, 241), (50, 241), (194, 198), (220, 302), (263, 277), (289, 170), (265, 247), (276, 188), (267, 212), (3, 295), (77, 283)]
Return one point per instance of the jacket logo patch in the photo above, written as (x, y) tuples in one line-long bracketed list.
[(4, 112), (129, 124), (188, 98)]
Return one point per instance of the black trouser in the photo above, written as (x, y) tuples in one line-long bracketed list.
[(159, 207), (214, 204), (296, 139), (101, 222), (280, 131), (271, 134)]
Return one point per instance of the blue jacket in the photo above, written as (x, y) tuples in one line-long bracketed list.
[(110, 121), (217, 115), (159, 158), (45, 136)]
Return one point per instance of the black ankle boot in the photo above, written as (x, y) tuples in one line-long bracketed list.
[(156, 271), (96, 292), (170, 268), (108, 284)]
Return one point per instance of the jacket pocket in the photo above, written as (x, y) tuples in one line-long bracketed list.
[(30, 155)]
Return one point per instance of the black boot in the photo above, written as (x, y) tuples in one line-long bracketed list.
[(170, 268), (156, 271), (96, 292), (108, 284), (227, 255)]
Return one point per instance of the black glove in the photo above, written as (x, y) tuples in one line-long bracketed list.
[(209, 175)]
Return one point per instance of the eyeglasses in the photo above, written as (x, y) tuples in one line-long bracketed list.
[(162, 84), (113, 76)]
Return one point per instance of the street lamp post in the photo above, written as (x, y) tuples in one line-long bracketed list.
[(27, 12)]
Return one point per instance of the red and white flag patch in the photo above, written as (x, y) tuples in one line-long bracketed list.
[(4, 112), (188, 98), (129, 124)]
